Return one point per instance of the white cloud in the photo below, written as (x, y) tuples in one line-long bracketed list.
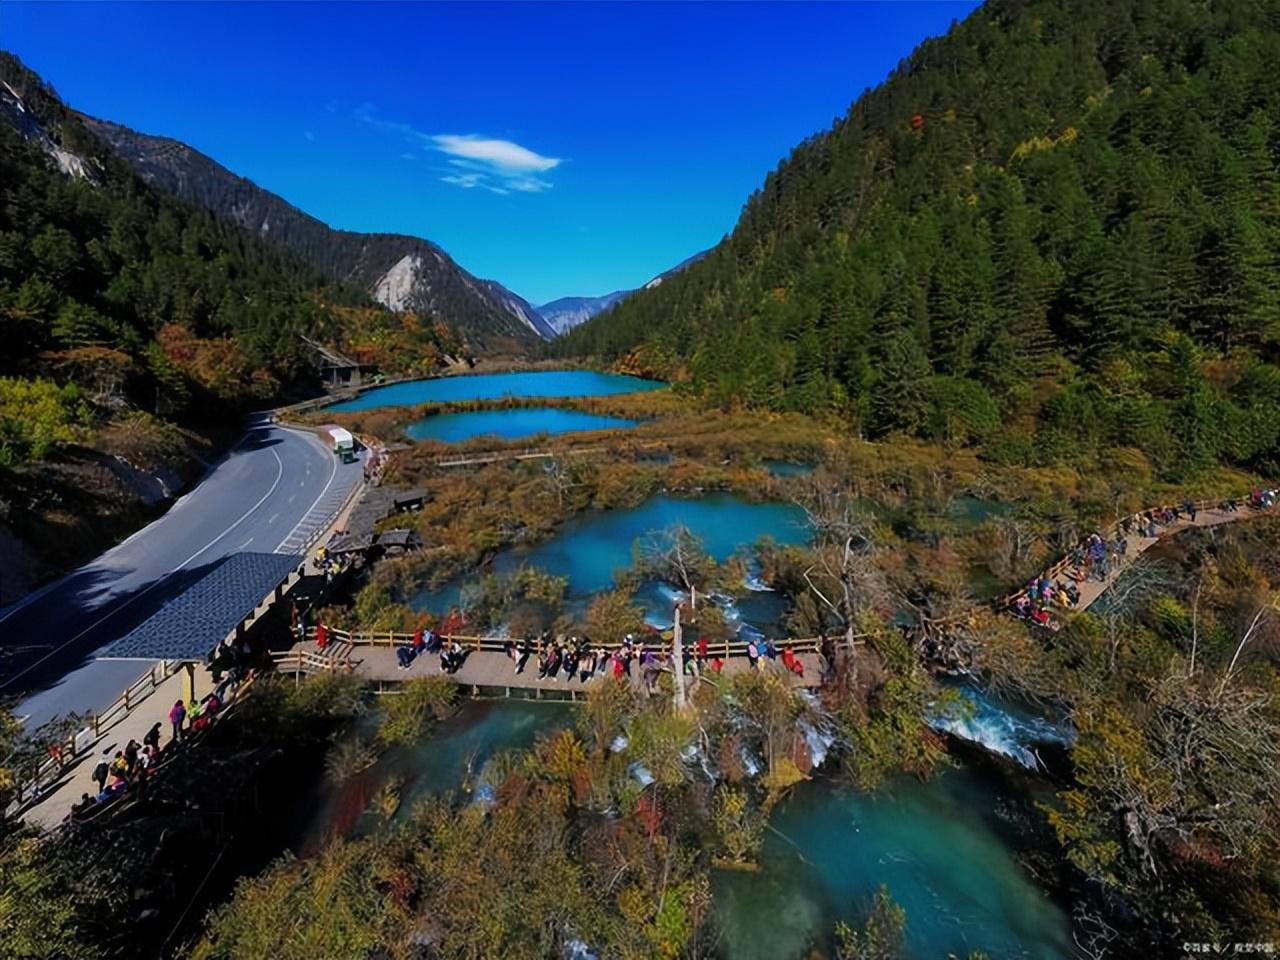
[(464, 180), (502, 155), (499, 166)]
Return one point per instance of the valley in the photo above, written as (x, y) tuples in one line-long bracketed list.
[(893, 578)]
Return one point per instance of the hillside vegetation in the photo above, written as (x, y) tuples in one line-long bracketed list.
[(128, 317), (492, 318), (1051, 232)]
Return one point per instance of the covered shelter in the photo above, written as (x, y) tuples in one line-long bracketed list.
[(212, 608), (335, 369), (398, 541)]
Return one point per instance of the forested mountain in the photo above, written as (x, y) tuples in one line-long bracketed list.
[(135, 325), (1051, 232), (401, 272), (566, 313)]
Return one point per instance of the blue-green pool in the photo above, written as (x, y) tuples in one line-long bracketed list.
[(935, 846), (592, 546), (938, 846), (511, 424), (490, 386)]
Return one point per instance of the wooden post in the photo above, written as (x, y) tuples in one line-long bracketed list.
[(677, 660), (188, 682)]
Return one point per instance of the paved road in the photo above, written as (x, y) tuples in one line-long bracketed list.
[(267, 494)]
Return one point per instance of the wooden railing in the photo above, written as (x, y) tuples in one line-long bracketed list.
[(1114, 529), (391, 639), (63, 754), (305, 661)]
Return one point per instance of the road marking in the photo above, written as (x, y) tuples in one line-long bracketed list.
[(158, 580), (333, 472), (181, 501), (272, 519)]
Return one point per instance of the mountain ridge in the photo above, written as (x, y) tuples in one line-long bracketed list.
[(1049, 233), (399, 270), (565, 313)]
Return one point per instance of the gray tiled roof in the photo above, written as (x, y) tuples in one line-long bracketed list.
[(196, 620)]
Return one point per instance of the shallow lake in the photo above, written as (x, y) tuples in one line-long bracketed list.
[(490, 386), (789, 468), (445, 761), (592, 546), (511, 424)]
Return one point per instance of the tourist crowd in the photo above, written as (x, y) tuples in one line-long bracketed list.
[(128, 772), (577, 658), (1098, 557)]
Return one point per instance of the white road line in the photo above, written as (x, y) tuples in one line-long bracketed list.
[(333, 472), (159, 580), (31, 598)]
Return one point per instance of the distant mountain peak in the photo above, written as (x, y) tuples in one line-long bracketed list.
[(565, 313)]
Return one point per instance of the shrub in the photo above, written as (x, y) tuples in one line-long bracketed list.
[(408, 715)]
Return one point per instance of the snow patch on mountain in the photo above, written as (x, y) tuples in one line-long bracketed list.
[(394, 288)]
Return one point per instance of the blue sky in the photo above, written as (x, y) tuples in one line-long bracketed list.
[(566, 149)]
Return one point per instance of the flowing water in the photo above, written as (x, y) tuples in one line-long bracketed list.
[(1007, 727), (940, 847), (511, 424), (937, 846), (490, 386)]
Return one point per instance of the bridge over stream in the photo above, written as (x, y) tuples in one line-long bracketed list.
[(489, 671)]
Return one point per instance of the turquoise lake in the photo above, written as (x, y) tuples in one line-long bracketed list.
[(591, 546), (511, 424), (935, 845), (491, 386)]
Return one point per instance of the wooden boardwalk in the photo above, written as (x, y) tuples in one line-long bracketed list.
[(492, 673), (1137, 544)]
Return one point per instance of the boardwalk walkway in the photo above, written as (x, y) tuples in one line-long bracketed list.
[(487, 670), (76, 778), (1208, 514)]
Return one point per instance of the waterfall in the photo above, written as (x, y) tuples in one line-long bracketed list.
[(1004, 728)]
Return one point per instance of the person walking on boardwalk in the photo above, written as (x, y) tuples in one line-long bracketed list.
[(177, 716), (100, 775)]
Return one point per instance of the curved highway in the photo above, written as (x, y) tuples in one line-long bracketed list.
[(267, 494)]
